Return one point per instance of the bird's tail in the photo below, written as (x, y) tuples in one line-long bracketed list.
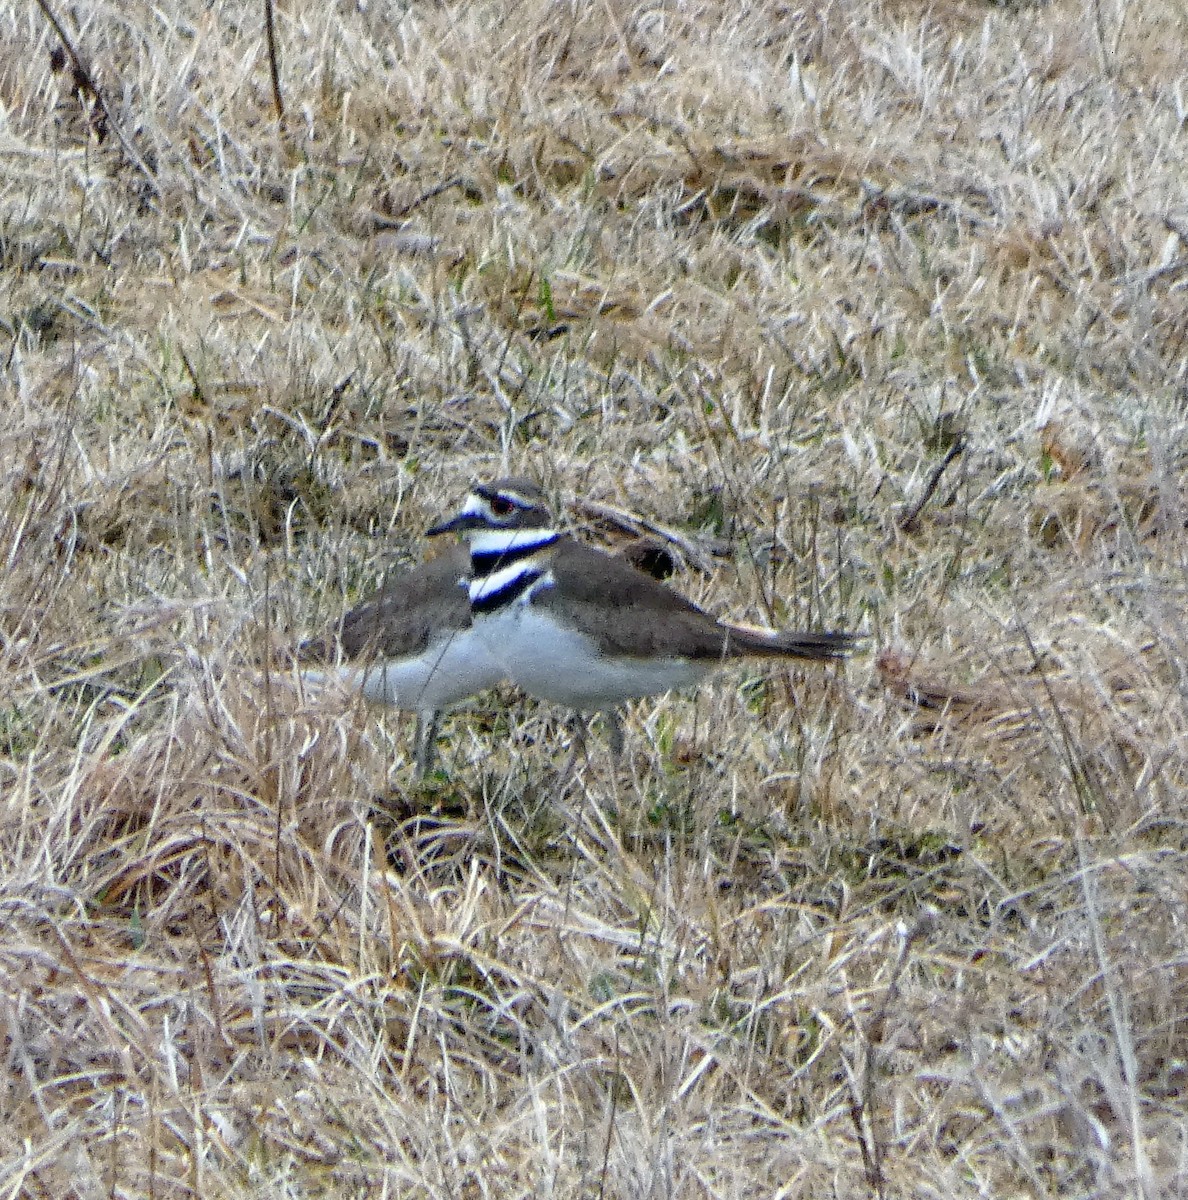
[(746, 641)]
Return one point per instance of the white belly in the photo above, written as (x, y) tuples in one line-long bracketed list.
[(559, 664), (446, 673)]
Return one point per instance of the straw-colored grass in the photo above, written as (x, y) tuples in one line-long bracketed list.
[(884, 308)]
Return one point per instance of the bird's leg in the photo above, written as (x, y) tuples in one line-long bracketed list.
[(577, 744), (614, 735), (428, 723), (578, 727)]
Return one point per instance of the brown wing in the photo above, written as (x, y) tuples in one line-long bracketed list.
[(636, 616), (404, 615)]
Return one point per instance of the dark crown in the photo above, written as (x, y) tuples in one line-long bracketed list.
[(504, 504), (514, 504)]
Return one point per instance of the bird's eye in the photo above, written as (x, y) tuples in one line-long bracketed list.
[(501, 506)]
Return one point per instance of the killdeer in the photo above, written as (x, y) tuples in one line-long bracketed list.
[(410, 645), (575, 626)]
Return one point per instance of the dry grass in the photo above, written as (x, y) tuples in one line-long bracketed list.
[(748, 271)]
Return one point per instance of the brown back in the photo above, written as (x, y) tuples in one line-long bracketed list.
[(404, 615)]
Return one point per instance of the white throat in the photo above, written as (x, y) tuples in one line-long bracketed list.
[(503, 541)]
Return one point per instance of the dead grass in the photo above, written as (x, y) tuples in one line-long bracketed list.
[(747, 272)]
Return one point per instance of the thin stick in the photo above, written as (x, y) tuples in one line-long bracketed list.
[(84, 81), (908, 521), (273, 65)]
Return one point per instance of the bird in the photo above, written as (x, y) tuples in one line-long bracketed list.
[(575, 626), (410, 645)]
